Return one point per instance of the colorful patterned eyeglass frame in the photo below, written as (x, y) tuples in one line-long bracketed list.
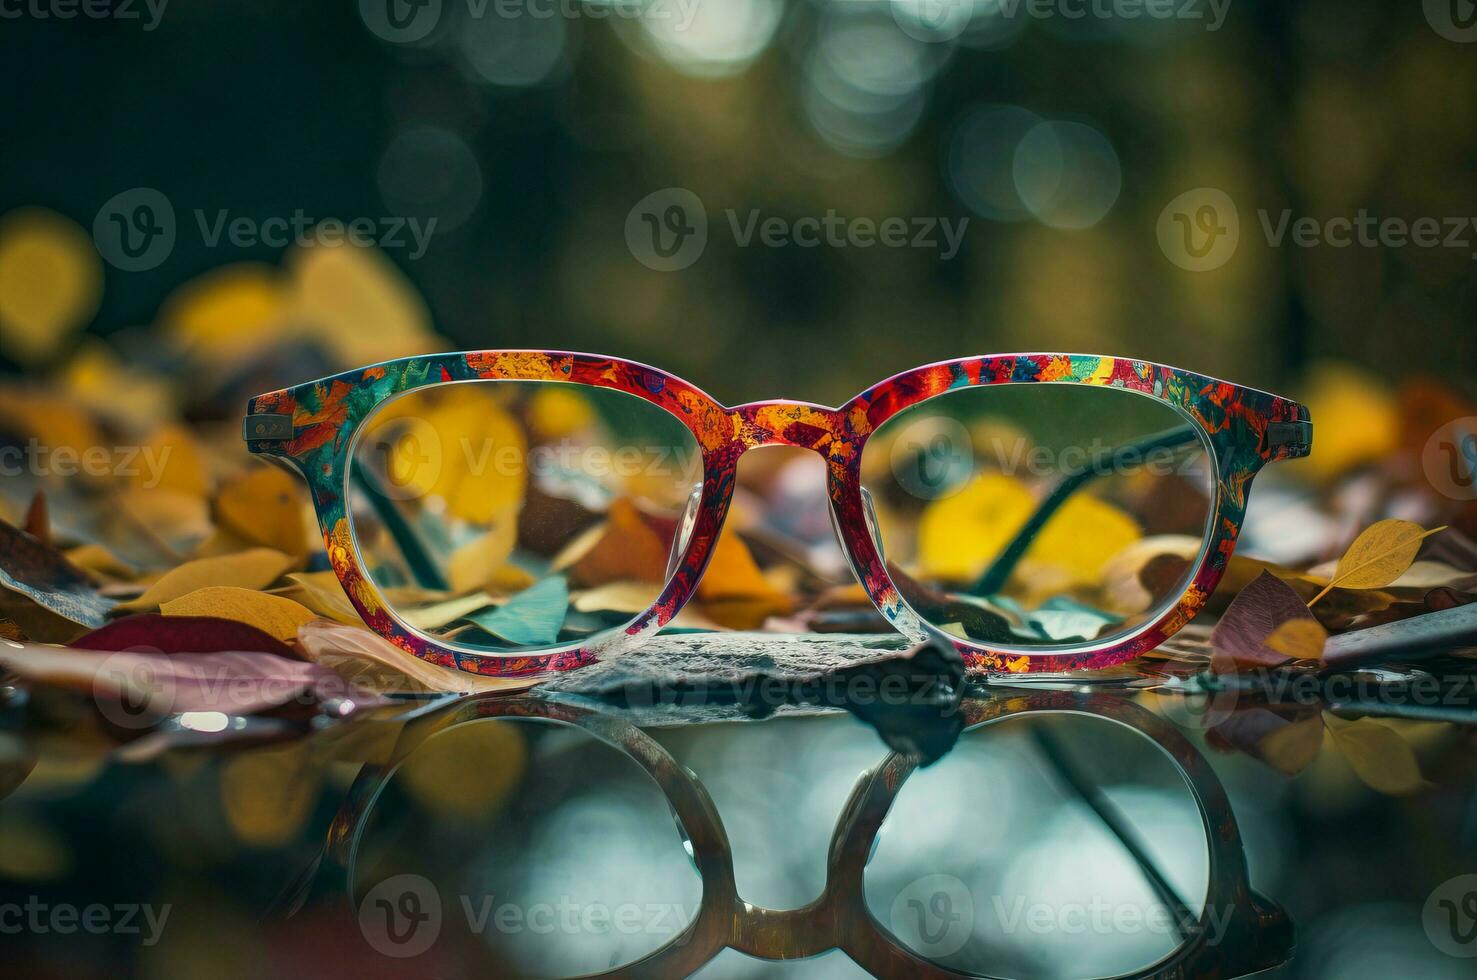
[(313, 428), (1257, 936)]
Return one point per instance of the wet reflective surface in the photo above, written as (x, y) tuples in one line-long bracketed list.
[(1066, 831)]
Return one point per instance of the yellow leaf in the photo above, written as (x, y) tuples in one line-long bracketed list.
[(264, 506), (254, 569), (474, 564), (56, 423), (358, 303), (1379, 556), (224, 312), (272, 614), (1083, 536), (556, 411), (99, 560), (322, 593), (457, 444), (130, 395), (1301, 639), (435, 617), (732, 572), (267, 794), (1379, 757), (171, 460), (959, 535), (50, 282), (174, 522)]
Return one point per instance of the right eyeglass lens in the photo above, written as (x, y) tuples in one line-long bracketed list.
[(1040, 515)]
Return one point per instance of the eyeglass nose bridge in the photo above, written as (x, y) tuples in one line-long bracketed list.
[(802, 425)]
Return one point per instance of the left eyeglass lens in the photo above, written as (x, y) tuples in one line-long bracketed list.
[(503, 516)]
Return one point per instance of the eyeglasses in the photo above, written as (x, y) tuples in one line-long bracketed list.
[(518, 512), (939, 926)]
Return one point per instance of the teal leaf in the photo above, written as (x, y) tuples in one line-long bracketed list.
[(533, 617)]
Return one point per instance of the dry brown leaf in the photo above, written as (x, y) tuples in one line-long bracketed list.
[(254, 569), (272, 614)]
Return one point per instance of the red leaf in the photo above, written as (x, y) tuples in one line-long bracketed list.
[(1252, 617), (182, 634)]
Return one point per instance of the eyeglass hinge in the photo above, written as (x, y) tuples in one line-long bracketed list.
[(264, 428), (1295, 437)]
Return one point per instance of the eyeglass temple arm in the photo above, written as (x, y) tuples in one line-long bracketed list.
[(427, 574), (995, 577)]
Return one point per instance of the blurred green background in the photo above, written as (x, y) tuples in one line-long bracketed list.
[(530, 138)]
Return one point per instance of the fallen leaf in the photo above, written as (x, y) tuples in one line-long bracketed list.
[(50, 282), (332, 643), (1378, 556), (264, 506), (253, 569), (43, 574), (38, 523), (181, 634), (474, 564), (1379, 756), (322, 593), (271, 614), (533, 617), (1255, 614), (1291, 748), (1300, 639), (430, 618), (626, 549)]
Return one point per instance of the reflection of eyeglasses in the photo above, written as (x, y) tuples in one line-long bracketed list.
[(1234, 932), (515, 512)]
